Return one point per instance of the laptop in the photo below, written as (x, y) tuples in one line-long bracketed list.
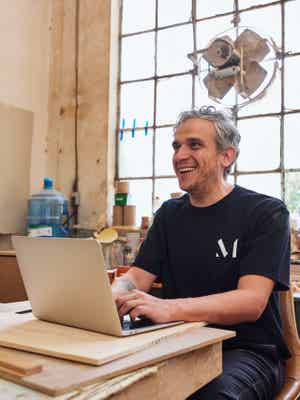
[(66, 283)]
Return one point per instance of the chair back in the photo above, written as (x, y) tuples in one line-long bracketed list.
[(291, 388)]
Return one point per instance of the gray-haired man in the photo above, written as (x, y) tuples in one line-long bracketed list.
[(221, 253)]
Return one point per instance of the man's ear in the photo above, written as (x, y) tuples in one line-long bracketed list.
[(228, 155)]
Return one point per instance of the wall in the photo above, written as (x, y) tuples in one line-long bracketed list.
[(24, 60), (39, 56)]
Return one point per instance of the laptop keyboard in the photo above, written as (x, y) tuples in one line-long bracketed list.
[(127, 324)]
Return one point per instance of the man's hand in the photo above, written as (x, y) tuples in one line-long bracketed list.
[(138, 303), (121, 286)]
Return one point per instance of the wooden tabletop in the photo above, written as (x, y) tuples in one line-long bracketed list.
[(11, 253), (198, 351)]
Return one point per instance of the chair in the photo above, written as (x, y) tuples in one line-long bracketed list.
[(291, 388)]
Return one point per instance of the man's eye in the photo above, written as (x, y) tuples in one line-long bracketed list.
[(175, 146), (195, 145)]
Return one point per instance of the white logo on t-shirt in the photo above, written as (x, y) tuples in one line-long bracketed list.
[(223, 250)]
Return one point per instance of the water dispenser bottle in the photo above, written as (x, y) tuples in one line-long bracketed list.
[(48, 212)]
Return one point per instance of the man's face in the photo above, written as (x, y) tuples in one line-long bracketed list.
[(196, 159)]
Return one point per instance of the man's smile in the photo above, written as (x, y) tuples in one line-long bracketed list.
[(186, 169)]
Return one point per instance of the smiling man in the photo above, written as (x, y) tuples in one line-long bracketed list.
[(222, 253)]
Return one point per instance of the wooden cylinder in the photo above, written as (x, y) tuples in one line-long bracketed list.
[(175, 195), (145, 222), (118, 215), (129, 215), (122, 187)]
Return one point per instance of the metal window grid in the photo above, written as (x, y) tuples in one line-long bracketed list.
[(193, 21)]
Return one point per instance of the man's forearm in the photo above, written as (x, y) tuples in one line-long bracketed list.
[(244, 304), (227, 308)]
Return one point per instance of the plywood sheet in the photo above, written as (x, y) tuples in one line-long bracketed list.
[(16, 126), (24, 332), (62, 376), (18, 363)]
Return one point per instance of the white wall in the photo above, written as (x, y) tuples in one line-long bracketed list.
[(24, 76)]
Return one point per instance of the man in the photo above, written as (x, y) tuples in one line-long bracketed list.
[(221, 253)]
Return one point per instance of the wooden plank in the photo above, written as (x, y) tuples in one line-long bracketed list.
[(18, 363), (9, 253), (95, 141), (16, 126), (24, 332), (61, 376), (60, 146)]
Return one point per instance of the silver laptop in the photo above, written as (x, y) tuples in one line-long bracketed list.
[(66, 283)]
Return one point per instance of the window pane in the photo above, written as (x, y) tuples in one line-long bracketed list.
[(173, 46), (174, 95), (207, 8), (137, 102), (173, 11), (292, 27), (141, 197), (207, 30), (137, 57), (292, 141), (230, 179), (292, 196), (271, 102), (164, 188), (201, 96), (135, 154), (260, 144), (164, 151), (251, 3), (263, 183), (265, 21), (138, 15), (292, 82)]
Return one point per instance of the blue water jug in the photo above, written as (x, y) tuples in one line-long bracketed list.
[(48, 212)]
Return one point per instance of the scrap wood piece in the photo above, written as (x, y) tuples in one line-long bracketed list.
[(24, 332), (116, 385), (18, 364)]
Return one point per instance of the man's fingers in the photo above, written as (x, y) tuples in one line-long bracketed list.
[(133, 295), (128, 306), (138, 311)]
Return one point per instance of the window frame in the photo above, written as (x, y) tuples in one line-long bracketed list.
[(194, 21)]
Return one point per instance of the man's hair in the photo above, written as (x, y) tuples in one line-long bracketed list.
[(226, 132)]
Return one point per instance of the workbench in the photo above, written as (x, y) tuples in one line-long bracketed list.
[(173, 378)]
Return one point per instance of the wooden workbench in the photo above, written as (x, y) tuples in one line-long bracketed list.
[(173, 378)]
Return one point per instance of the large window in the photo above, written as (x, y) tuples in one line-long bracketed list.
[(157, 82)]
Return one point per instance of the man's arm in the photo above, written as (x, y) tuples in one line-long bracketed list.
[(244, 304), (135, 278)]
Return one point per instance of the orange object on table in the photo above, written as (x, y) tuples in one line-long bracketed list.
[(122, 269), (111, 274)]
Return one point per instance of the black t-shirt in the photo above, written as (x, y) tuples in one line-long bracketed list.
[(197, 251)]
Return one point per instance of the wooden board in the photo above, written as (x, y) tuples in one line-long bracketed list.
[(24, 332), (18, 363), (16, 127), (62, 376)]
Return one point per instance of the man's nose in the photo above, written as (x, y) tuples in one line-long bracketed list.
[(182, 153)]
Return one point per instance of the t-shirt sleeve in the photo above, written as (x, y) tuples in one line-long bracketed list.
[(151, 255), (266, 248)]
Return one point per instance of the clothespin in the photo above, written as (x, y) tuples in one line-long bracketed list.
[(146, 128), (122, 129), (133, 128)]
